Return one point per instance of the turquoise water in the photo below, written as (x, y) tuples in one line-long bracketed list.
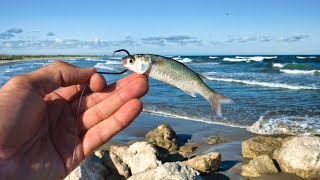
[(281, 91)]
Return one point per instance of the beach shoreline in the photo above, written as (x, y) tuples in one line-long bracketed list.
[(3, 62)]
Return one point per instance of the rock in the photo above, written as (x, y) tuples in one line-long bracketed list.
[(163, 136), (260, 145), (117, 166), (139, 156), (300, 155), (258, 166), (204, 163), (187, 150), (212, 140), (168, 171), (91, 168)]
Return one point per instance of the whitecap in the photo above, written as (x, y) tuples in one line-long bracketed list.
[(305, 57), (105, 66), (295, 71), (234, 59), (279, 65), (213, 57), (266, 84), (113, 62), (184, 60)]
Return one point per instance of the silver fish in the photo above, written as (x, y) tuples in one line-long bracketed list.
[(175, 73)]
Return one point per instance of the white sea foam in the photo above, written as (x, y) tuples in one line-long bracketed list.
[(113, 62), (185, 60), (176, 58), (306, 57), (248, 59), (213, 57), (234, 59), (265, 84), (105, 66), (284, 124), (94, 59), (172, 115), (279, 65), (295, 71)]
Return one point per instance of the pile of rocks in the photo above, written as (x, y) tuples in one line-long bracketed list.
[(299, 155), (160, 156)]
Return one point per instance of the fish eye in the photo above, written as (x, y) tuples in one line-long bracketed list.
[(130, 61)]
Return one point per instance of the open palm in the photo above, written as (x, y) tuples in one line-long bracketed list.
[(37, 124)]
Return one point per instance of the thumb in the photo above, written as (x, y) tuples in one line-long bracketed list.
[(51, 77)]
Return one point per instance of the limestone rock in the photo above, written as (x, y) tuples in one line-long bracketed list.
[(168, 171), (208, 162), (187, 150), (260, 145), (163, 136), (212, 140), (91, 168), (116, 165), (259, 165), (139, 156), (300, 155)]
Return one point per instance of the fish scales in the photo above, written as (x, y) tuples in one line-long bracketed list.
[(175, 73)]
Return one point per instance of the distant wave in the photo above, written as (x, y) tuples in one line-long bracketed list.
[(279, 65), (265, 84), (113, 62), (94, 59), (184, 60), (248, 59), (306, 57), (105, 66), (213, 57), (295, 71)]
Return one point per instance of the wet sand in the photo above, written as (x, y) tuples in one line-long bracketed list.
[(197, 132)]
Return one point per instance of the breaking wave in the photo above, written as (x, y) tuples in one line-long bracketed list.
[(279, 65), (295, 71), (281, 123), (265, 84), (213, 57), (105, 66), (182, 114), (306, 57), (248, 59)]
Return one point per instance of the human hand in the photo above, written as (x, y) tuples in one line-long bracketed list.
[(37, 123)]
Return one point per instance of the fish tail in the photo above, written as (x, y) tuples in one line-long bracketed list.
[(215, 99)]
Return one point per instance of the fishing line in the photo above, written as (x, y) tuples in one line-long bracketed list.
[(77, 118)]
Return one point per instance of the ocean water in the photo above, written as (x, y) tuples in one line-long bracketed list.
[(272, 94)]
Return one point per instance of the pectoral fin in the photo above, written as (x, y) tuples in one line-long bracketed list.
[(190, 93)]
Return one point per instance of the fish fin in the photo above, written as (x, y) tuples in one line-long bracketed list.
[(203, 78), (190, 93), (216, 99)]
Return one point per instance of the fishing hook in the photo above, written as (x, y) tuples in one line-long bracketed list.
[(119, 50)]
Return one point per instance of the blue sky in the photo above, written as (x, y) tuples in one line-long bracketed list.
[(162, 27)]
